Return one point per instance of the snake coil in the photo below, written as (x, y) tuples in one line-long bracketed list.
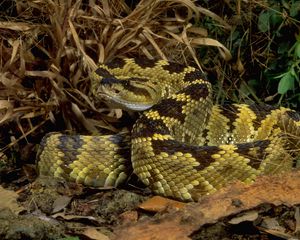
[(182, 146)]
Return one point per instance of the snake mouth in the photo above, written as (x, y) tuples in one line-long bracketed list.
[(118, 102), (132, 94)]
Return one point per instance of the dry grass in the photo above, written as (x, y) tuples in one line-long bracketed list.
[(49, 47)]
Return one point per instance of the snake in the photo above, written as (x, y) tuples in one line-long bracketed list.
[(182, 146)]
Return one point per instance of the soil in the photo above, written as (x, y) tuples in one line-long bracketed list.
[(55, 209)]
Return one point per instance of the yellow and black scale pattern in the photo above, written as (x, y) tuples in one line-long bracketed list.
[(183, 147)]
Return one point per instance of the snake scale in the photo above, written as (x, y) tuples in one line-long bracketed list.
[(182, 146)]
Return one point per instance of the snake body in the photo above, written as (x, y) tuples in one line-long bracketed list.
[(183, 146)]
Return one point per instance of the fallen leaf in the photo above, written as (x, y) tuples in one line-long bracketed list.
[(248, 216), (277, 233), (157, 204), (297, 219), (94, 234), (60, 203), (128, 217), (9, 200), (272, 224), (73, 217)]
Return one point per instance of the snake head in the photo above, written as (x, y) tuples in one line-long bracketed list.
[(127, 93)]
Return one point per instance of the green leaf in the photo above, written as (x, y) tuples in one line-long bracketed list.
[(275, 19), (297, 50), (264, 21), (283, 47), (294, 74), (294, 9), (269, 18), (235, 35), (286, 83)]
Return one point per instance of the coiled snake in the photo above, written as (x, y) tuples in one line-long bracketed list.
[(184, 146)]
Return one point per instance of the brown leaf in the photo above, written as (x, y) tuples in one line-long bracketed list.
[(9, 200), (128, 217), (297, 219), (272, 224), (157, 204), (248, 216), (92, 233), (277, 233), (6, 109), (60, 203), (73, 217)]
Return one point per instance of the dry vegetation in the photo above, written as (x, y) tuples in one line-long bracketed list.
[(48, 49)]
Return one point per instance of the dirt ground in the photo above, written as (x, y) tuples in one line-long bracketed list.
[(54, 209)]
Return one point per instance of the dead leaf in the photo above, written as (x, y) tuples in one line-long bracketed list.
[(9, 200), (272, 224), (73, 217), (6, 110), (93, 233), (248, 216), (157, 204), (240, 67), (128, 217), (16, 26), (297, 219), (277, 233), (60, 203)]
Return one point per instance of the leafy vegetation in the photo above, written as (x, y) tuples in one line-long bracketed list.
[(264, 42), (281, 24)]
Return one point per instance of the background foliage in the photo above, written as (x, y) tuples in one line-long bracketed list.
[(264, 40), (249, 49)]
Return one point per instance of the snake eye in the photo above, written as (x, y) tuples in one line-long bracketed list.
[(109, 81)]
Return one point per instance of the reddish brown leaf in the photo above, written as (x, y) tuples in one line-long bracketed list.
[(157, 204), (129, 217)]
